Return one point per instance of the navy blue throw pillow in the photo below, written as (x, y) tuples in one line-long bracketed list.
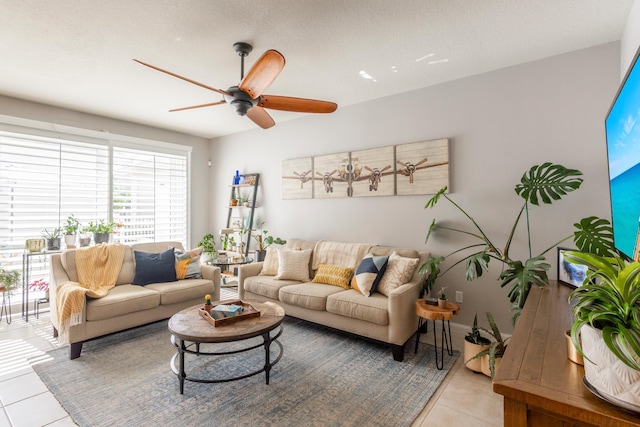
[(155, 268)]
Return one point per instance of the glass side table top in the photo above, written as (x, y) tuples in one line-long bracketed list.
[(231, 260)]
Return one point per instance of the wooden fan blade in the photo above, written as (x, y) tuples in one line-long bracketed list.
[(260, 117), (183, 78), (197, 106), (262, 74), (300, 105)]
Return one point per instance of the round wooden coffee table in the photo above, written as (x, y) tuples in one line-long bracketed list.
[(189, 330)]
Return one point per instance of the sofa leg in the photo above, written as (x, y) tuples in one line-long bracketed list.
[(74, 350), (398, 352), (55, 332)]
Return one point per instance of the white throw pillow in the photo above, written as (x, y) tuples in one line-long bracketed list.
[(270, 264), (399, 271), (293, 265)]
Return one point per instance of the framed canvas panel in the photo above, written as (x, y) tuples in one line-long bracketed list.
[(373, 172), (572, 275), (422, 167), (330, 176), (297, 178)]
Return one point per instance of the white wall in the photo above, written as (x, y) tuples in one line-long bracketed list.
[(199, 184), (630, 39), (499, 123)]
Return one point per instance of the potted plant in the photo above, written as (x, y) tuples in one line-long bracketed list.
[(208, 244), (70, 231), (8, 280), (474, 343), (84, 239), (53, 238), (263, 241), (40, 285), (606, 330), (540, 184), (442, 298), (102, 230), (490, 358)]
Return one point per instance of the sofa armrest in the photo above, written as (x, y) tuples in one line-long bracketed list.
[(247, 270), (57, 276), (403, 320), (212, 273)]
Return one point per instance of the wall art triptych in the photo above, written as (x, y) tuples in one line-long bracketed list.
[(407, 169)]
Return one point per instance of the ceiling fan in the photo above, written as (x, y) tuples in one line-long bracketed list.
[(248, 96)]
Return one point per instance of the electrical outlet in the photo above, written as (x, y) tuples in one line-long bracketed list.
[(459, 296)]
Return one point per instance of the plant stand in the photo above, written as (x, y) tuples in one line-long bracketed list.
[(425, 312), (6, 306)]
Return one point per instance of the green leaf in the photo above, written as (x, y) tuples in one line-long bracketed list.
[(476, 263), (548, 182), (519, 277), (595, 235), (432, 201)]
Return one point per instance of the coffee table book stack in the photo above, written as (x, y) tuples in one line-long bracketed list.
[(248, 312)]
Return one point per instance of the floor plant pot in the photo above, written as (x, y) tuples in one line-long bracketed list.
[(471, 349), (53, 244), (605, 375), (101, 238)]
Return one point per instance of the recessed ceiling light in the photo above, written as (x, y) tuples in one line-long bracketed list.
[(439, 61), (366, 75), (422, 58)]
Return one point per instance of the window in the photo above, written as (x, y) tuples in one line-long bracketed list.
[(44, 179)]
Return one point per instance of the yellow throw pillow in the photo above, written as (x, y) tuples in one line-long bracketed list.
[(333, 275)]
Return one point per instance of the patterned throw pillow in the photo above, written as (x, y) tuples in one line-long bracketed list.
[(399, 271), (188, 264), (369, 273), (333, 275), (270, 264), (293, 265)]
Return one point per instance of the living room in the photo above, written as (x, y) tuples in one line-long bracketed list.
[(500, 122)]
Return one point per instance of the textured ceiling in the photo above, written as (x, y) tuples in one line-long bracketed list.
[(78, 53)]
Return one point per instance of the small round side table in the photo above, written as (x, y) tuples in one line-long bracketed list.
[(433, 312)]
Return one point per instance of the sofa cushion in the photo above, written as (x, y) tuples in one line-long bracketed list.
[(182, 290), (154, 267), (188, 263), (266, 285), (333, 275), (121, 300), (270, 264), (399, 271), (292, 264), (308, 295), (338, 253), (353, 304), (369, 273)]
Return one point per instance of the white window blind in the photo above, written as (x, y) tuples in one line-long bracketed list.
[(45, 179), (150, 195)]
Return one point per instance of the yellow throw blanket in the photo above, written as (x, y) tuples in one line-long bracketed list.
[(98, 269)]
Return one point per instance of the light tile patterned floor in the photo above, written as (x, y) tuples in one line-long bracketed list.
[(463, 399)]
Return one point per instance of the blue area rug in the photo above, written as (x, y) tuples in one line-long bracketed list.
[(325, 378)]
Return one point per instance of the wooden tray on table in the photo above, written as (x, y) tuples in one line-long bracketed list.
[(248, 312)]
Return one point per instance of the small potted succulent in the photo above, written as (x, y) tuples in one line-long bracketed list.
[(53, 238), (442, 298)]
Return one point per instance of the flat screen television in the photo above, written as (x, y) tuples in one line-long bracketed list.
[(622, 127)]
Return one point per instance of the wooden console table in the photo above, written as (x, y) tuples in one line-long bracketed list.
[(540, 385)]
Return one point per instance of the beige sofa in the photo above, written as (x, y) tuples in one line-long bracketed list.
[(127, 305), (391, 319)]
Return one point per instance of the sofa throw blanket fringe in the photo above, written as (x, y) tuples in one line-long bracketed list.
[(98, 269)]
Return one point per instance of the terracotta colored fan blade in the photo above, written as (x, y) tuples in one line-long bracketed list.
[(262, 74), (260, 117), (300, 105), (183, 78), (197, 106)]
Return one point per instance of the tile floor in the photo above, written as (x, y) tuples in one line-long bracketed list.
[(463, 399)]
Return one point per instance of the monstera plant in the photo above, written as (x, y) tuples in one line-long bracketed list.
[(541, 184)]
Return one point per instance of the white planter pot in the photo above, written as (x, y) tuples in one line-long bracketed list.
[(70, 240), (612, 379)]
